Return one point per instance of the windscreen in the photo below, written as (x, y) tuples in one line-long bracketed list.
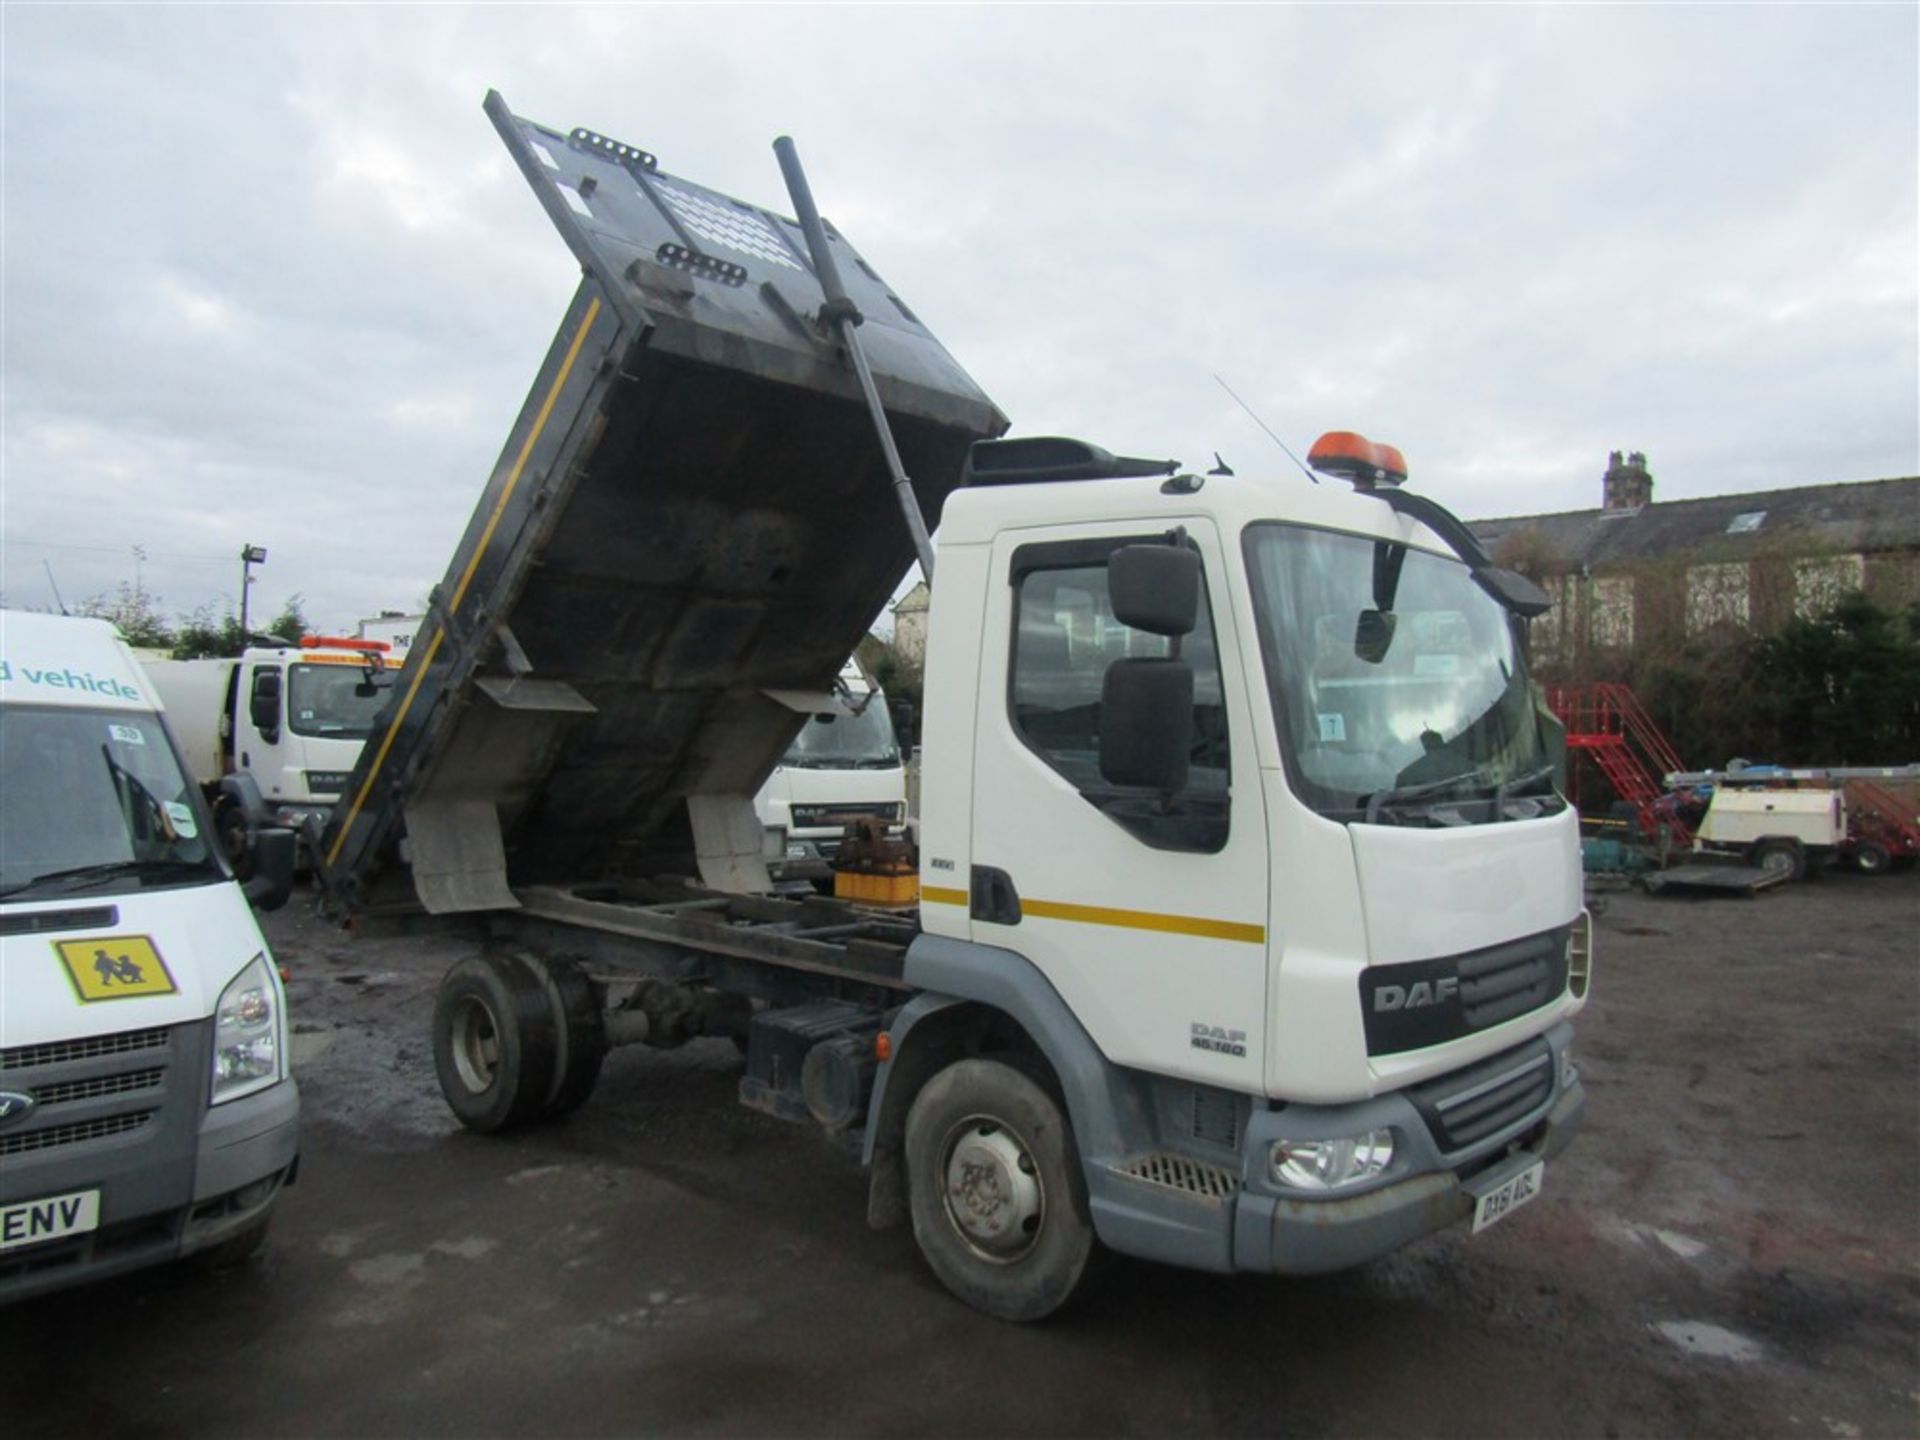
[(337, 702), (841, 741), (95, 801), (1395, 678)]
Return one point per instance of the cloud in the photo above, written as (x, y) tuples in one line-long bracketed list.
[(270, 277)]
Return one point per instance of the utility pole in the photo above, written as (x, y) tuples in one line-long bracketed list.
[(250, 556)]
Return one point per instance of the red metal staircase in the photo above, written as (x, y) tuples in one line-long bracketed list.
[(1876, 814), (1607, 723)]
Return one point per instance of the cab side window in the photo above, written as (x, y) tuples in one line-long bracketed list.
[(1064, 639)]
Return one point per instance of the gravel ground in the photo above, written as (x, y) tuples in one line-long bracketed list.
[(1732, 1247)]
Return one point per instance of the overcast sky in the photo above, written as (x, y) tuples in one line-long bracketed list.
[(269, 276)]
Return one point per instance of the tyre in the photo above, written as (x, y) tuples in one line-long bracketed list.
[(580, 1025), (1780, 857), (998, 1199), (236, 1249), (495, 1042), (1870, 857), (231, 825)]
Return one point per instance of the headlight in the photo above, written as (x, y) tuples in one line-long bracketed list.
[(246, 1034), (1331, 1164)]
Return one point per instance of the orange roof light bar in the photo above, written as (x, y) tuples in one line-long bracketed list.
[(343, 642), (1356, 459)]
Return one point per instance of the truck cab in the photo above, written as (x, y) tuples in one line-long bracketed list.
[(1328, 944), (288, 718), (146, 1106)]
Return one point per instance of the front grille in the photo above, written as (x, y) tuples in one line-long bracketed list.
[(92, 917), (1509, 980), (1417, 1003), (61, 1052), (1177, 1172), (74, 1134), (812, 817), (61, 1092), (1469, 1105), (94, 1089)]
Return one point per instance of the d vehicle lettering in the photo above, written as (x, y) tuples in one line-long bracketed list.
[(1415, 996), (67, 678)]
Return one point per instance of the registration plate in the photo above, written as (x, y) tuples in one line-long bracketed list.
[(34, 1222), (1504, 1199)]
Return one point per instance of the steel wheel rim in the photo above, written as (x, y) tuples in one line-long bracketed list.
[(991, 1190), (476, 1044)]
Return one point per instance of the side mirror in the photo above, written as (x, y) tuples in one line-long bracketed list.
[(273, 856), (263, 706), (1155, 588), (1146, 724)]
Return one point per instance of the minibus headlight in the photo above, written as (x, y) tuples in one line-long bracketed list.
[(247, 1034)]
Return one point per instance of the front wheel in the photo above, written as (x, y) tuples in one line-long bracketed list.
[(236, 839), (998, 1199), (236, 1249)]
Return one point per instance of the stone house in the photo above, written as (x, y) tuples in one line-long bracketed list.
[(1638, 571), (910, 625)]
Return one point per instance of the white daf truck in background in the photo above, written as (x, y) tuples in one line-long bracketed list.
[(843, 767), (146, 1107), (1250, 920), (271, 735)]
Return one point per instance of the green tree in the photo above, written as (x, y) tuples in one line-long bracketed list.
[(135, 612), (1843, 688), (204, 635)]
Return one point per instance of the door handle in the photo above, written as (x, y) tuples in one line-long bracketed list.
[(993, 897)]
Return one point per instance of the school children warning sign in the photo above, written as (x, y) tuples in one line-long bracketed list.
[(115, 967)]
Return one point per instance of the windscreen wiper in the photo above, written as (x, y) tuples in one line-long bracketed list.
[(1521, 782), (82, 875), (1380, 799)]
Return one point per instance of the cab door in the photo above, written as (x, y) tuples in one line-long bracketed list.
[(1147, 912)]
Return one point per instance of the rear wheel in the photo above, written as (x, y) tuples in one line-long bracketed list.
[(1780, 857), (495, 1042), (998, 1199), (580, 1024)]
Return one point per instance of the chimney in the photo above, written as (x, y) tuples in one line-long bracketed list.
[(1628, 485)]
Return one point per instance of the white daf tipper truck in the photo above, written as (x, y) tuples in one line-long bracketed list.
[(146, 1108), (1250, 923), (272, 735), (843, 767)]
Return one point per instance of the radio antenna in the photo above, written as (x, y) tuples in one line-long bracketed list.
[(56, 588), (1264, 426)]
